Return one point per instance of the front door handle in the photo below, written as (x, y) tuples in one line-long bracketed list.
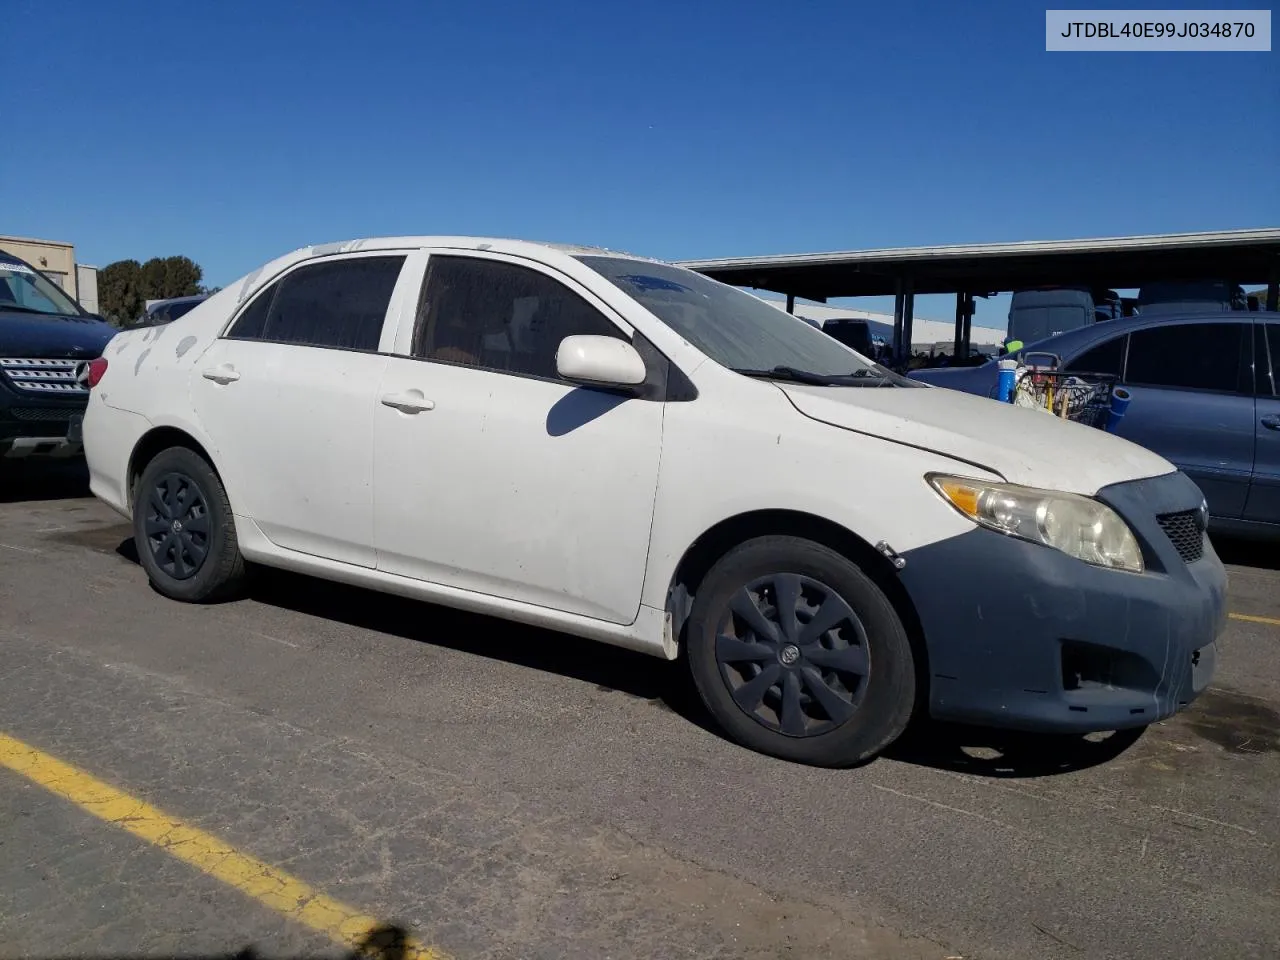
[(223, 373), (411, 401), (1271, 423)]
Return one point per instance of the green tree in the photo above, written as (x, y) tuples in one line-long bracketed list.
[(165, 277), (120, 291)]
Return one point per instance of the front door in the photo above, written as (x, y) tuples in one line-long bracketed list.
[(288, 398), (1192, 387), (1264, 493), (492, 474)]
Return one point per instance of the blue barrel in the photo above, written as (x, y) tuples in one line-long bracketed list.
[(1120, 398), (1008, 376)]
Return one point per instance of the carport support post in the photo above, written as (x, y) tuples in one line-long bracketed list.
[(968, 324), (908, 315), (899, 303), (791, 303), (1273, 287), (961, 347)]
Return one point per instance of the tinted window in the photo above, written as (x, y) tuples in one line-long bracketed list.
[(1199, 356), (1104, 358), (501, 316), (179, 309), (338, 303), (1268, 348), (253, 321)]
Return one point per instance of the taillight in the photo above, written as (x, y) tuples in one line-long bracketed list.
[(97, 368)]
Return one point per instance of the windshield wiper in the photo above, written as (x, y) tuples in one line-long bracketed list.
[(857, 378)]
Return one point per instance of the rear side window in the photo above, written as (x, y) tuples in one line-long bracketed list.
[(1192, 356), (1104, 358), (337, 303)]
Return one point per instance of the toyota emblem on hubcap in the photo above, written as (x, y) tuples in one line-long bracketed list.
[(789, 654)]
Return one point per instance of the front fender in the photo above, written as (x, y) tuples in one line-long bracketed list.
[(714, 471)]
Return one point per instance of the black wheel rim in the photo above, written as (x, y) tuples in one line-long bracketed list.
[(176, 523), (793, 654)]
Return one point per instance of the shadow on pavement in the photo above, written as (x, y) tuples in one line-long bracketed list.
[(383, 943), (608, 668), (32, 480), (1264, 554), (943, 746), (1005, 753)]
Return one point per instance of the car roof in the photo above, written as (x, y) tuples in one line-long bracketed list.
[(497, 244), (1105, 329)]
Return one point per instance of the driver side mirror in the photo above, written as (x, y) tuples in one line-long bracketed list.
[(600, 362)]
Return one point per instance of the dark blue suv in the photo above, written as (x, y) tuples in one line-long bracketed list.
[(47, 342), (1206, 395)]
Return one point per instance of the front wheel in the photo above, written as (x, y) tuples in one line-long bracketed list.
[(183, 529), (798, 654)]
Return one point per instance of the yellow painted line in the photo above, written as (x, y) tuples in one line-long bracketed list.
[(271, 887), (1273, 621)]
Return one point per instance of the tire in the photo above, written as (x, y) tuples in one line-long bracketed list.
[(184, 531), (864, 661)]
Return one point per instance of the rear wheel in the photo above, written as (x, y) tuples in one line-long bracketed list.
[(798, 654), (183, 529)]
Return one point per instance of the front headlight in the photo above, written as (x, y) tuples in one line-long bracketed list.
[(1078, 526)]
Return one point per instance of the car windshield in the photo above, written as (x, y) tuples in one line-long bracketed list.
[(25, 290), (736, 329)]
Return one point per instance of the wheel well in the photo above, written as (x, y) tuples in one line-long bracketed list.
[(724, 536), (161, 438)]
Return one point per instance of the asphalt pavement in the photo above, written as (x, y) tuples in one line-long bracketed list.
[(497, 791)]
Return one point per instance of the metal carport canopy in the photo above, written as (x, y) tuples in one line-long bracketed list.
[(1246, 256)]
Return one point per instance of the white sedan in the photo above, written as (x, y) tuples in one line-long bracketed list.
[(626, 450)]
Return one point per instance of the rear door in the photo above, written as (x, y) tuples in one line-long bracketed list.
[(1264, 493), (287, 395), (1193, 403)]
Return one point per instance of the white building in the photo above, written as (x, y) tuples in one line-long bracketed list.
[(57, 261), (926, 335)]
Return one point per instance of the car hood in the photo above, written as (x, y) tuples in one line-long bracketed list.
[(1024, 446), (45, 335), (968, 379)]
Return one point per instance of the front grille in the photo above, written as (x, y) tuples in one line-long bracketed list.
[(1185, 533), (49, 377), (39, 413)]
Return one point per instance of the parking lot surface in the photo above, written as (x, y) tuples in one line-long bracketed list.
[(496, 791)]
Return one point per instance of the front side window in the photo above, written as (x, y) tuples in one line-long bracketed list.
[(1105, 358), (24, 289), (1192, 356), (334, 303), (500, 316), (738, 330)]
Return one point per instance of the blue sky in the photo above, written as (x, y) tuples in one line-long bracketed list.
[(232, 132)]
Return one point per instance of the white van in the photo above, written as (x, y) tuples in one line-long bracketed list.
[(622, 449)]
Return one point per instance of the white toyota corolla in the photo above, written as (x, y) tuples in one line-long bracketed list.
[(626, 450)]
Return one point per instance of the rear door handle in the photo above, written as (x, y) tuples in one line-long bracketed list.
[(1271, 423), (411, 401), (222, 373)]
